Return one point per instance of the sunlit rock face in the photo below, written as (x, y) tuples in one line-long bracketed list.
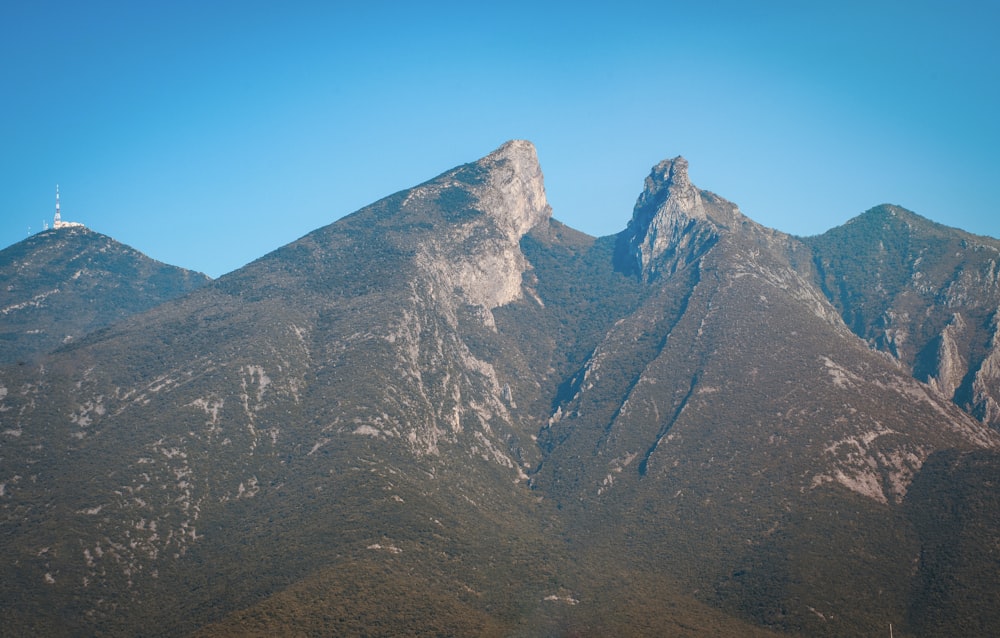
[(666, 213), (514, 193), (479, 257)]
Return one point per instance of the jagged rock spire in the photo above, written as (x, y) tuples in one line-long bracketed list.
[(664, 215), (669, 188)]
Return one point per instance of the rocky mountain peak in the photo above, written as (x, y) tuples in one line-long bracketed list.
[(669, 219), (488, 206), (486, 432), (513, 193), (669, 182)]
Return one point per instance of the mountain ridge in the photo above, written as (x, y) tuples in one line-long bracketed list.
[(924, 293), (458, 403), (62, 283)]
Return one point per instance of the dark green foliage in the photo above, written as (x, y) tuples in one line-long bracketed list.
[(472, 174), (457, 204), (845, 553), (582, 293), (955, 506)]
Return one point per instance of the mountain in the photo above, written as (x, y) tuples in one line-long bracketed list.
[(448, 413), (60, 284), (732, 430), (925, 293)]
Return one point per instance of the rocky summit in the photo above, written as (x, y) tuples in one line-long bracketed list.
[(450, 414)]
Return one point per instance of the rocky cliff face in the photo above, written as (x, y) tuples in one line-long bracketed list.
[(358, 346), (719, 279), (660, 235), (503, 197), (985, 403)]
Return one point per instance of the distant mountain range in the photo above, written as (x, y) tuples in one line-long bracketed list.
[(450, 414)]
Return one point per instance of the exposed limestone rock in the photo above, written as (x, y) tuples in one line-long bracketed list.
[(922, 292), (674, 224), (985, 404), (951, 366), (710, 417), (860, 463), (666, 219), (514, 194), (481, 259), (668, 190)]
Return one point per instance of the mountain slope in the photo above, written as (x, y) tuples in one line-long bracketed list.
[(324, 408), (58, 285), (925, 293)]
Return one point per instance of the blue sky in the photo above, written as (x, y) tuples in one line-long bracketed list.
[(206, 134)]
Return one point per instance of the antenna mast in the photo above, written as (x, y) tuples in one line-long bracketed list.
[(57, 220)]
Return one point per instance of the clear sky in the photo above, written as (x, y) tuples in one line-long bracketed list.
[(206, 134)]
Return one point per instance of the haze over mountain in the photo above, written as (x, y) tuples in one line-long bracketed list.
[(449, 413)]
